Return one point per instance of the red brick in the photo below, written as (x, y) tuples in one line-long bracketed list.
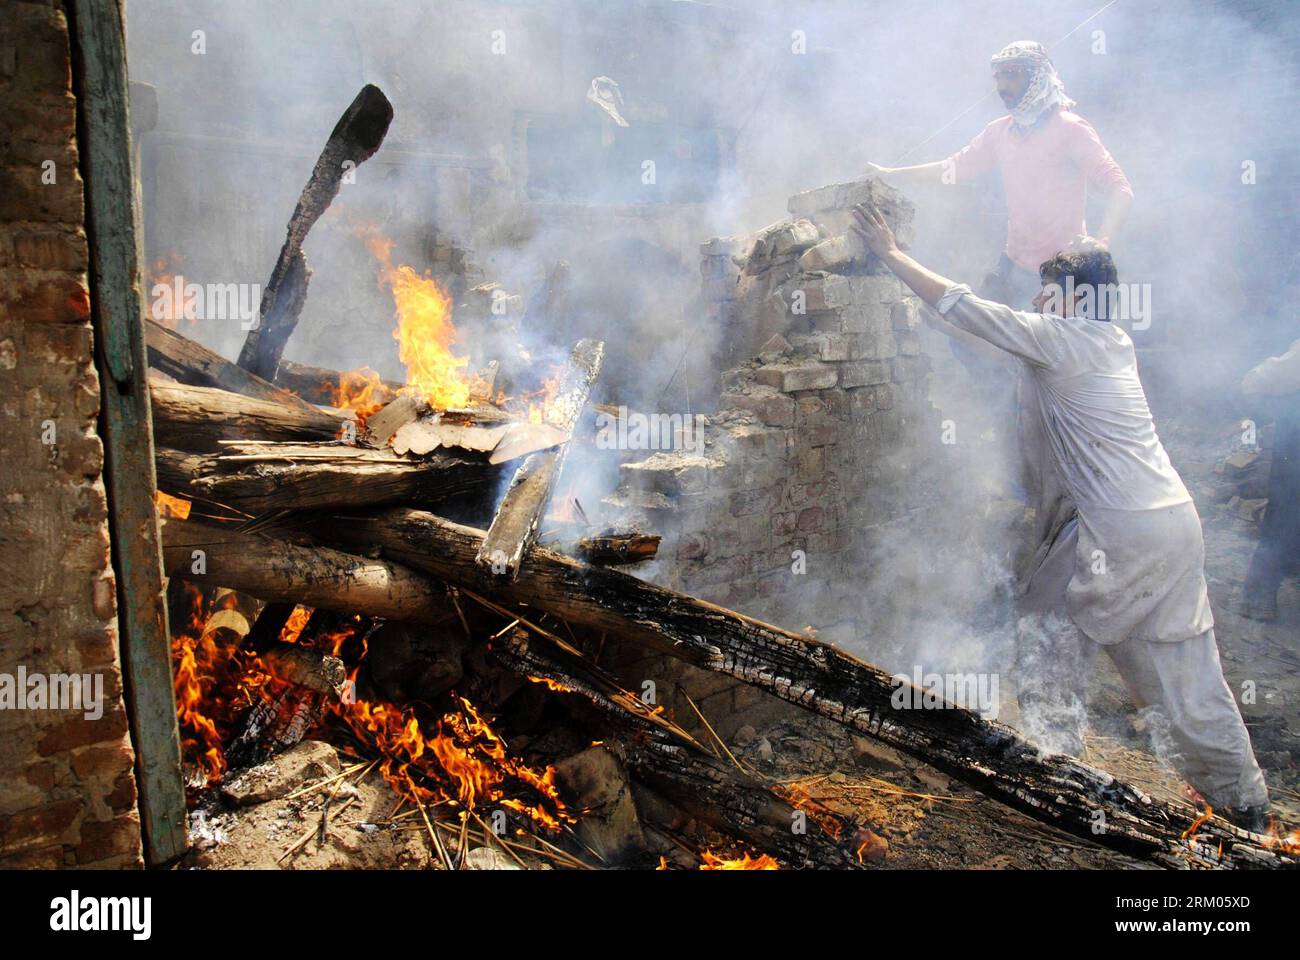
[(110, 838), (30, 826), (77, 731)]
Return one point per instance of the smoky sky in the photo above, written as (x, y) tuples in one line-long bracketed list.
[(740, 105)]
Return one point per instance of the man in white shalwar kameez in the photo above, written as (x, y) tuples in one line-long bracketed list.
[(1125, 571)]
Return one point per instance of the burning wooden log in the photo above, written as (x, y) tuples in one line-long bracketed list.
[(615, 549), (514, 528), (197, 418), (320, 384), (319, 577), (257, 477), (309, 681), (355, 138), (189, 362), (990, 756)]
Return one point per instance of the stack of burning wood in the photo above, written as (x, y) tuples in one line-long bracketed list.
[(354, 637), (379, 577)]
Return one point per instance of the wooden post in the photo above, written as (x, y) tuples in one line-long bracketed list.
[(112, 227)]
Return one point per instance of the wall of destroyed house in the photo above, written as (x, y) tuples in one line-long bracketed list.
[(823, 446), (67, 787)]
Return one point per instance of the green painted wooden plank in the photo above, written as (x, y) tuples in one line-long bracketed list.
[(112, 224)]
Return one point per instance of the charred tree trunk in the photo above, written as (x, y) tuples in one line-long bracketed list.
[(514, 528), (708, 788), (193, 364), (318, 577), (317, 384)]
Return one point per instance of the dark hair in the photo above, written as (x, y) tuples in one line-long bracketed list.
[(1095, 267), (1088, 268)]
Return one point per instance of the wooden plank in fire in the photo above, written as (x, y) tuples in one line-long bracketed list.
[(514, 528), (354, 139)]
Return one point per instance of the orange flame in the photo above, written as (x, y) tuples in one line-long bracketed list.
[(797, 795), (293, 626), (1288, 843), (424, 332), (1201, 820), (463, 752), (211, 681), (761, 862), (363, 391), (166, 310), (171, 508)]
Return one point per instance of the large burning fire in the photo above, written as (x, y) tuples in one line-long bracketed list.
[(456, 757), (424, 332)]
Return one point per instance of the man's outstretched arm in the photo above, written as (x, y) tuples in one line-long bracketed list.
[(1029, 336), (879, 239), (922, 171)]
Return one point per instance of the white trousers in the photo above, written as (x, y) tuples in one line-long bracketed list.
[(1196, 724)]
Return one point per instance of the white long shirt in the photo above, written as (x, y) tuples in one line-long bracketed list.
[(1139, 569)]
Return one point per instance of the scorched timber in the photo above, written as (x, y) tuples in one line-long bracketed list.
[(196, 419), (259, 477), (990, 756), (514, 528), (273, 570), (318, 384), (354, 139)]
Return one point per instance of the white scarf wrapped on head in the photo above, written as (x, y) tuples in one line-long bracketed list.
[(1045, 88)]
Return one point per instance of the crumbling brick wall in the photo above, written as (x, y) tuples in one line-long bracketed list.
[(67, 787), (821, 442)]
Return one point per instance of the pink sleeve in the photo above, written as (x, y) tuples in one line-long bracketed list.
[(977, 157), (1095, 160)]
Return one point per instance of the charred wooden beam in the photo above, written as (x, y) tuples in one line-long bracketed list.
[(990, 756), (189, 362), (615, 549), (259, 477), (320, 577), (197, 418), (268, 626), (355, 138), (514, 528)]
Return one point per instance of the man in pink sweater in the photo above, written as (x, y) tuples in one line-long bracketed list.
[(1049, 157)]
